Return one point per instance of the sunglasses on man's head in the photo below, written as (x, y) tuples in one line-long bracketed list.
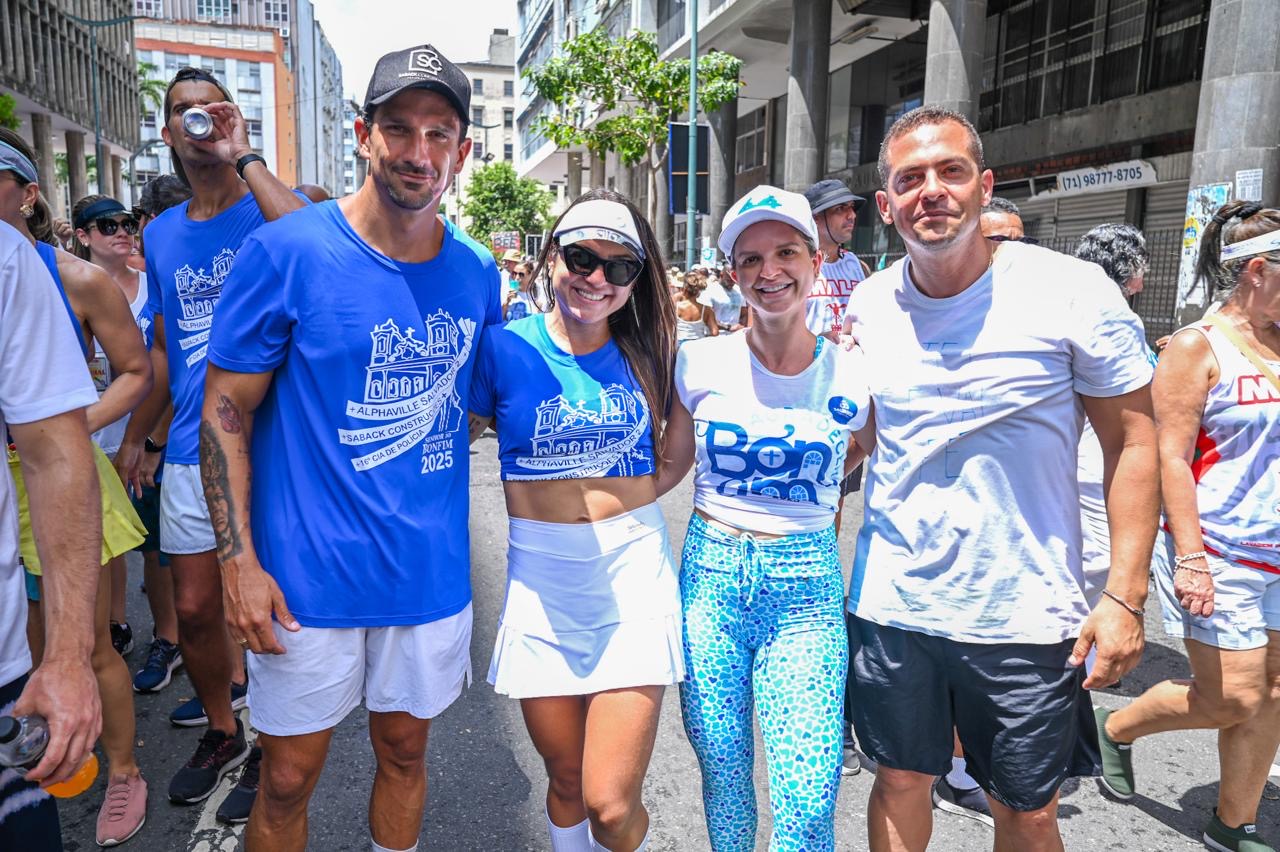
[(617, 271), (1002, 238), (108, 227)]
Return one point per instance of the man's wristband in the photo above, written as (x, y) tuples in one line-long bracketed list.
[(151, 446), (243, 163), (1137, 611)]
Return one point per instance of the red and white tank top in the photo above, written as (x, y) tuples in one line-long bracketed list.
[(824, 310), (1237, 460)]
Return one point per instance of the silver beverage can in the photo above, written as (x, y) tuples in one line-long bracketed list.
[(197, 123)]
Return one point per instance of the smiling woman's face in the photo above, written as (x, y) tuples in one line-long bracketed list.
[(774, 267)]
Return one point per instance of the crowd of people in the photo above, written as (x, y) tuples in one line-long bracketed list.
[(290, 455)]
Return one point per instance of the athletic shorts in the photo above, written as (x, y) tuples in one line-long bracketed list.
[(147, 505), (852, 482), (419, 669), (1246, 602), (184, 515), (1024, 719)]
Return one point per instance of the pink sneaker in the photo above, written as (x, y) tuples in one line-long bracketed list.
[(124, 809)]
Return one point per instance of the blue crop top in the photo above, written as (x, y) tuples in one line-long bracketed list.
[(49, 255), (560, 416)]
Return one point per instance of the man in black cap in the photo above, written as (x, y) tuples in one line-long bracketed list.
[(835, 209), (338, 373)]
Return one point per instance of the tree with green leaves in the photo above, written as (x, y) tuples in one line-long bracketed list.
[(9, 113), (497, 199), (151, 88), (619, 95)]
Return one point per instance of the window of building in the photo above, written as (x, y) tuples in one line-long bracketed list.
[(213, 10), (508, 151), (477, 86), (508, 118), (477, 150), (750, 142), (147, 8), (508, 88), (275, 12), (477, 115)]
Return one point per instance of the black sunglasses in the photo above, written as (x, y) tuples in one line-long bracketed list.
[(618, 271), (108, 227), (1001, 238)]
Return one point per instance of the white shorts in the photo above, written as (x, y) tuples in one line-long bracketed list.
[(184, 515), (589, 607), (419, 669), (1246, 602)]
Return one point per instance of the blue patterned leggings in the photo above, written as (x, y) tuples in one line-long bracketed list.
[(764, 628)]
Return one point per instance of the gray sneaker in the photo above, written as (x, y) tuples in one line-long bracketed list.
[(1243, 839), (966, 803), (1117, 761), (851, 764)]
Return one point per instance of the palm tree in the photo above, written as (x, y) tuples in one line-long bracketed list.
[(150, 89)]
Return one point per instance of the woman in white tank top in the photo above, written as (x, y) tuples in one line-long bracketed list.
[(1217, 406)]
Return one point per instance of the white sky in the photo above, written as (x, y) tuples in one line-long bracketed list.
[(363, 30)]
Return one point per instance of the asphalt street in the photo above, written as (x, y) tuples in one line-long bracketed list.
[(486, 782)]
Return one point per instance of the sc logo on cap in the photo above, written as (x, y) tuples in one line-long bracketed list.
[(426, 60)]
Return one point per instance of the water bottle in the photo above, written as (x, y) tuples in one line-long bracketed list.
[(22, 743), (197, 123)]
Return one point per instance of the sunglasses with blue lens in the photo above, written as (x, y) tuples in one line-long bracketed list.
[(617, 271)]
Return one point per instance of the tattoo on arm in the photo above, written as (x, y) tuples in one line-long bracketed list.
[(217, 491), (229, 415), (476, 426)]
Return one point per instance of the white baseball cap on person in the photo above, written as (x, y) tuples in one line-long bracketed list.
[(762, 204), (600, 219)]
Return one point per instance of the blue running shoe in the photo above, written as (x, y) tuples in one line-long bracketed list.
[(192, 715), (163, 659)]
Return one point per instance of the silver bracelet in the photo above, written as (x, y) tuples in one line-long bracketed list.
[(1189, 569), (1137, 611), (1180, 561)]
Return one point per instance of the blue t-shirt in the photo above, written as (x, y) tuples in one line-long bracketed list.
[(187, 263), (560, 416), (360, 448)]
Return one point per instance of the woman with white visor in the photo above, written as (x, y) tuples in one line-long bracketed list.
[(590, 632)]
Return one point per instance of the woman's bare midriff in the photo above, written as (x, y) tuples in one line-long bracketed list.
[(578, 501), (731, 529)]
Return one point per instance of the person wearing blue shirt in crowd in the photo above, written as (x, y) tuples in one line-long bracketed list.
[(190, 250), (590, 631), (775, 417), (343, 398)]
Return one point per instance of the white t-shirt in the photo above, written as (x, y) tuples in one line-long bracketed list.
[(110, 436), (972, 527), (770, 448), (520, 306), (726, 304), (42, 374), (824, 310)]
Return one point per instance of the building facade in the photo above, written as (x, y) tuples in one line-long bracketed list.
[(493, 118), (353, 170), (248, 62), (48, 66)]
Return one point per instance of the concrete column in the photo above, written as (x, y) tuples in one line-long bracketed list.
[(42, 141), (597, 172), (574, 174), (723, 166), (807, 93), (1236, 126), (623, 182), (117, 185), (953, 63), (663, 222), (76, 176)]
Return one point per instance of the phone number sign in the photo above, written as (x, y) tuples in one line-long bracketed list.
[(1126, 175)]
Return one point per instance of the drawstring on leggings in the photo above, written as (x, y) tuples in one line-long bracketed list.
[(750, 567)]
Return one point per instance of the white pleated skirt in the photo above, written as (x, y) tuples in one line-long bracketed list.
[(589, 607)]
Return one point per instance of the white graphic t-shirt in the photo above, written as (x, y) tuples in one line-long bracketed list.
[(42, 374), (972, 527), (824, 311), (726, 304), (770, 448)]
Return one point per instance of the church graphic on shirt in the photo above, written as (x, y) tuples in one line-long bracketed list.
[(198, 291), (586, 437), (410, 391)]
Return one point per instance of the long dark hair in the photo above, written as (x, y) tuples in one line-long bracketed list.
[(645, 329), (78, 248), (1234, 221), (39, 223)]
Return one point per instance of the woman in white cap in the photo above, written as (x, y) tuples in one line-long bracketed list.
[(590, 632), (771, 416)]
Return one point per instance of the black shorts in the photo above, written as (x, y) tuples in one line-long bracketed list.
[(852, 482), (1024, 719), (32, 825)]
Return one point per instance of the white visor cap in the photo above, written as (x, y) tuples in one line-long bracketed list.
[(600, 219), (765, 203)]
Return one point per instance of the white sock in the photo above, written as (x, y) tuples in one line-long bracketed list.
[(376, 848), (958, 777), (596, 847), (575, 838)]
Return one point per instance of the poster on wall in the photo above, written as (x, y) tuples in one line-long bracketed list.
[(1202, 202)]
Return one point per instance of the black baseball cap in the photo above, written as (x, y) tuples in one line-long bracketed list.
[(421, 67), (826, 194)]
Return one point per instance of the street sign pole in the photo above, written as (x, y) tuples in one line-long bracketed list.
[(691, 204)]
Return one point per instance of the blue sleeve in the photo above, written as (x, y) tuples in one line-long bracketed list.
[(484, 389), (252, 323), (493, 298), (155, 299)]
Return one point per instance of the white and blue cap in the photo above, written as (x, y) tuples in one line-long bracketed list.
[(600, 219), (762, 204)]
